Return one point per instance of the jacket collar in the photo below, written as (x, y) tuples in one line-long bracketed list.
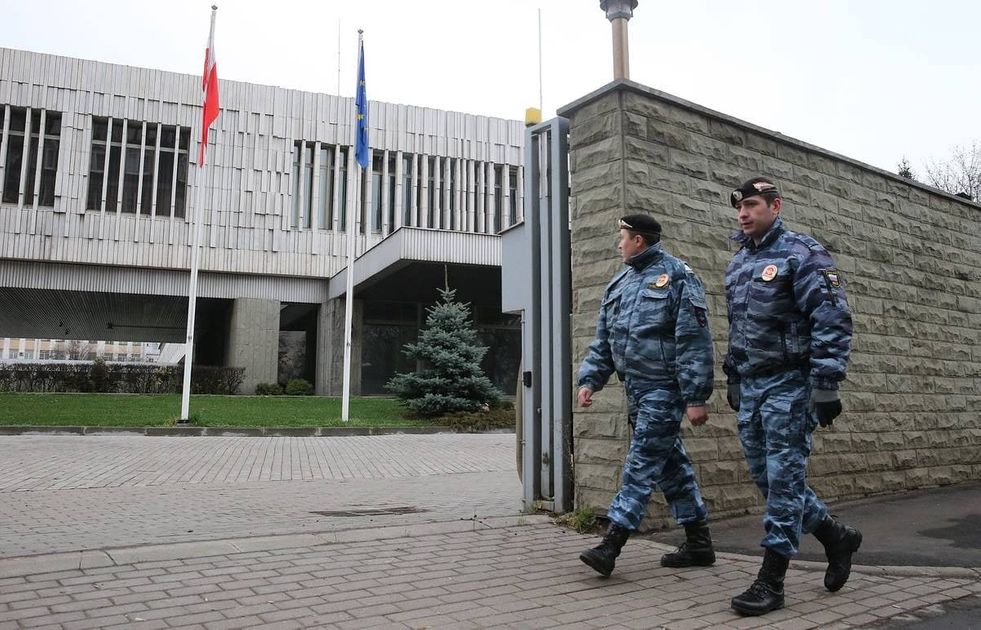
[(645, 258), (771, 235)]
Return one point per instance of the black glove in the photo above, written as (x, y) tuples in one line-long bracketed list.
[(732, 395), (826, 406)]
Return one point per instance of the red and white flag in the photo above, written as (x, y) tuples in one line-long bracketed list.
[(209, 83)]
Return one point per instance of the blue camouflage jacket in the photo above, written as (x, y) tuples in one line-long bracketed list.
[(787, 309), (653, 329)]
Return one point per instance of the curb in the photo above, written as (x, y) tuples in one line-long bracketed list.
[(97, 558), (235, 431), (867, 569)]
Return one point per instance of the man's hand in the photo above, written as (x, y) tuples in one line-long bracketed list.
[(585, 396), (697, 414), (826, 406), (733, 396)]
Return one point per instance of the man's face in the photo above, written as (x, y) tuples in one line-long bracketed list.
[(756, 215), (630, 244)]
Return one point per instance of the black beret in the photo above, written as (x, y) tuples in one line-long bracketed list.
[(640, 223), (752, 187)]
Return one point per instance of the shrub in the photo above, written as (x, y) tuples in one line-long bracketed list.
[(115, 377), (209, 379), (299, 387), (268, 389)]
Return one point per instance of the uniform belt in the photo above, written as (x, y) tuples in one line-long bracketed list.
[(770, 370)]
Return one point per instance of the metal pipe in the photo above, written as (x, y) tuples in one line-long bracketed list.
[(619, 12), (621, 54)]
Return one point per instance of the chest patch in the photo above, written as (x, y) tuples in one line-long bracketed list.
[(769, 273), (660, 282)]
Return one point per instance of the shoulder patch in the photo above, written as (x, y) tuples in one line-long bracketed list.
[(832, 277)]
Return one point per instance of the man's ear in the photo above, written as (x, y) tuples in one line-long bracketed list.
[(777, 204)]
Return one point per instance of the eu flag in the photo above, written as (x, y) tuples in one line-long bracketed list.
[(361, 104)]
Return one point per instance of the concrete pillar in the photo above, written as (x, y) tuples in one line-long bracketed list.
[(253, 341), (330, 348)]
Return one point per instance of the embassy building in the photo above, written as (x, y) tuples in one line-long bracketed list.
[(98, 183)]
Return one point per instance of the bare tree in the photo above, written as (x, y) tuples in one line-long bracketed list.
[(77, 349), (960, 174)]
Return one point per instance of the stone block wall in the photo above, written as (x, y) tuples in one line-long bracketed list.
[(910, 255)]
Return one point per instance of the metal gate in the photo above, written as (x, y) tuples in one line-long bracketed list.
[(536, 282)]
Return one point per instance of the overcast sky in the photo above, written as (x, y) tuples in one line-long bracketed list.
[(871, 79)]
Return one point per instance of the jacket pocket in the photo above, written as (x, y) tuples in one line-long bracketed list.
[(654, 306), (611, 309)]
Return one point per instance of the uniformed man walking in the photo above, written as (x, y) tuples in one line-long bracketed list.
[(790, 334), (653, 332)]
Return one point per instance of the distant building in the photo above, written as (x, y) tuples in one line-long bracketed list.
[(76, 350), (98, 185)]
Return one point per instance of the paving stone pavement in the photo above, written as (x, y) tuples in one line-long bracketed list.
[(65, 493), (106, 517)]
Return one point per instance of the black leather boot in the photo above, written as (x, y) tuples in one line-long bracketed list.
[(766, 593), (602, 558), (696, 551), (840, 542)]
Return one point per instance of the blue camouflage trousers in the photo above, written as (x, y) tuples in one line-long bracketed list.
[(775, 425), (656, 456)]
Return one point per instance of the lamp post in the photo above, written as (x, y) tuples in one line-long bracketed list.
[(619, 12)]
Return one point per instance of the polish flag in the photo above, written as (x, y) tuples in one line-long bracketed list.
[(209, 83)]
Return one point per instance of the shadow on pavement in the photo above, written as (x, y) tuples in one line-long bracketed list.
[(936, 527)]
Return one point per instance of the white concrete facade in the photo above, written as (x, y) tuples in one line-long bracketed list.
[(274, 203), (98, 187)]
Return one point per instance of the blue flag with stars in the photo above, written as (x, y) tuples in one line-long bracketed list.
[(361, 104)]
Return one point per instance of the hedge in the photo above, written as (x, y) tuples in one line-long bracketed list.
[(117, 378)]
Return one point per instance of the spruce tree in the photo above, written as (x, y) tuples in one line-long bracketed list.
[(451, 378)]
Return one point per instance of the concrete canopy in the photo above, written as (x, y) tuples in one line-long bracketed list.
[(408, 245)]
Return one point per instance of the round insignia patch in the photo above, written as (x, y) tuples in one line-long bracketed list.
[(662, 281), (769, 273)]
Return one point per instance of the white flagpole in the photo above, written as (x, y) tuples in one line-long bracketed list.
[(192, 290), (192, 293), (351, 225), (349, 299)]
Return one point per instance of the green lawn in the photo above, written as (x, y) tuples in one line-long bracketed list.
[(133, 410)]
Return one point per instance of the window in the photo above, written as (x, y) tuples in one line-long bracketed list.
[(342, 193), (363, 201), (391, 191), (433, 193), (24, 123), (452, 184), (498, 199), (301, 212), (406, 189), (478, 169), (376, 193), (420, 219), (513, 191), (133, 147), (297, 175), (328, 168)]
